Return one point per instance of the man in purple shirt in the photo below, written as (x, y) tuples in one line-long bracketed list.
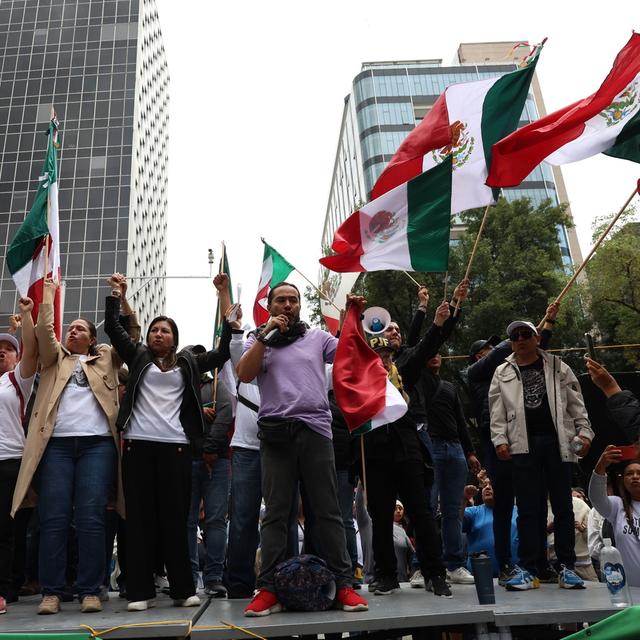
[(288, 359)]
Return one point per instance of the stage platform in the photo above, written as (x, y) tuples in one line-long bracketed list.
[(405, 610)]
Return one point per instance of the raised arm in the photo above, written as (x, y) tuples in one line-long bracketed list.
[(48, 345), (120, 339), (29, 359), (418, 317), (221, 283), (215, 358)]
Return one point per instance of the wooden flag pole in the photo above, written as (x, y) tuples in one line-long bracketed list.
[(412, 279), (474, 250), (364, 470), (214, 388), (322, 295), (596, 245)]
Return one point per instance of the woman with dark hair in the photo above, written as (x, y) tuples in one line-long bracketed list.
[(163, 428), (623, 512), (71, 452)]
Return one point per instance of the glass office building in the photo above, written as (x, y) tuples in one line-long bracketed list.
[(389, 99), (102, 65)]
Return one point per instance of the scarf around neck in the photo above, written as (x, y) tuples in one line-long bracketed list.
[(295, 331)]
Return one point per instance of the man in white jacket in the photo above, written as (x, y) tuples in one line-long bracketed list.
[(539, 421)]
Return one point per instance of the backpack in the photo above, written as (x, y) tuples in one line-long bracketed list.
[(304, 583)]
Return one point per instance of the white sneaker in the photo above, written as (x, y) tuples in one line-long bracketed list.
[(191, 601), (417, 580), (141, 605), (461, 575)]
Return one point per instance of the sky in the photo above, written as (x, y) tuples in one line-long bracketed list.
[(256, 98)]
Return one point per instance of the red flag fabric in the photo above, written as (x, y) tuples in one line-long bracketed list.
[(359, 377), (433, 132), (517, 155)]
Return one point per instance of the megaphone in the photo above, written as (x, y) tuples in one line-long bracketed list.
[(376, 320)]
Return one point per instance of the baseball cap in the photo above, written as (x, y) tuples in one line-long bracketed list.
[(524, 324), (379, 343), (7, 337), (479, 345)]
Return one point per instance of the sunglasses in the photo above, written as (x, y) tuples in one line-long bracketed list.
[(524, 334)]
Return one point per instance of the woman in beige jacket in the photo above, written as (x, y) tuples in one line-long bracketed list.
[(71, 453)]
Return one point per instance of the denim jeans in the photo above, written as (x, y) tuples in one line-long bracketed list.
[(214, 491), (450, 477), (74, 478)]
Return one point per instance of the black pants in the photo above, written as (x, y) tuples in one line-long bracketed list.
[(532, 471), (400, 473), (157, 491), (304, 456), (8, 476)]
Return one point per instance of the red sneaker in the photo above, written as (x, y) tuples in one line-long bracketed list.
[(348, 600), (263, 603), (3, 605)]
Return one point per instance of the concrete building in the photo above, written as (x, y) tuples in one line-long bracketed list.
[(103, 67), (390, 98)]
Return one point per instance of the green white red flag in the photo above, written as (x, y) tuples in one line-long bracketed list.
[(608, 121), (365, 395), (275, 269), (407, 228), (463, 124), (37, 241), (335, 287)]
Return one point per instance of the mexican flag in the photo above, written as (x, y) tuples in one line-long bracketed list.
[(224, 268), (335, 286), (463, 124), (608, 121), (361, 385), (37, 241), (274, 269), (406, 228)]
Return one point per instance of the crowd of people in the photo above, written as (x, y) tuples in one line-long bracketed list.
[(207, 483)]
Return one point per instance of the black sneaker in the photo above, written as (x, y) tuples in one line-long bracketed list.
[(547, 575), (386, 586), (440, 587), (216, 589), (371, 587)]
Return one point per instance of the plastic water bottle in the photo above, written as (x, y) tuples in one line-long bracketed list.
[(614, 575), (576, 444)]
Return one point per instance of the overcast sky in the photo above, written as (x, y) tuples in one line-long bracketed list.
[(257, 91)]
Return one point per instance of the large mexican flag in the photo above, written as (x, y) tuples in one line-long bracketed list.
[(406, 228), (36, 244), (463, 124), (275, 269), (607, 121)]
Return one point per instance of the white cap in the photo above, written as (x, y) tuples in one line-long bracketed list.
[(7, 337), (525, 324)]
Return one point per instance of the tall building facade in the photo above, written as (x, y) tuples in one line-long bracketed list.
[(102, 66), (390, 98)]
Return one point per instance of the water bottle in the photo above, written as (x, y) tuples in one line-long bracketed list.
[(614, 575), (576, 444)]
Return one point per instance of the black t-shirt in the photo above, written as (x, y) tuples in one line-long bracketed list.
[(536, 403)]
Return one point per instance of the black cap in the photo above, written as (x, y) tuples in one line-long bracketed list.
[(479, 345)]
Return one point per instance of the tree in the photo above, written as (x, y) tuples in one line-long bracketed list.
[(614, 286)]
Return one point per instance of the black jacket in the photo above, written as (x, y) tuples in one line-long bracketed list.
[(411, 360), (624, 409), (138, 358), (480, 374)]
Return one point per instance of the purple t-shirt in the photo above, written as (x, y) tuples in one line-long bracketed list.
[(292, 380)]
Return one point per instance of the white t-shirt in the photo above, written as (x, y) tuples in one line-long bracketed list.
[(156, 413), (11, 432), (79, 413)]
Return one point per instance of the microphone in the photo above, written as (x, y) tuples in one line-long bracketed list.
[(272, 333)]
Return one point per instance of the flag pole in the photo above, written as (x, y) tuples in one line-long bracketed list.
[(322, 295), (364, 470), (214, 388), (412, 279), (446, 282), (597, 244), (474, 250)]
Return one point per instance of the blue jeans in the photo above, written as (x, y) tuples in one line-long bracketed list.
[(244, 532), (74, 478), (214, 491), (450, 477)]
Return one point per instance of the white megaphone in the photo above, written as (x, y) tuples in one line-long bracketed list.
[(375, 320)]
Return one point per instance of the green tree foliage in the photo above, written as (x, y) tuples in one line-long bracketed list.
[(614, 286)]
